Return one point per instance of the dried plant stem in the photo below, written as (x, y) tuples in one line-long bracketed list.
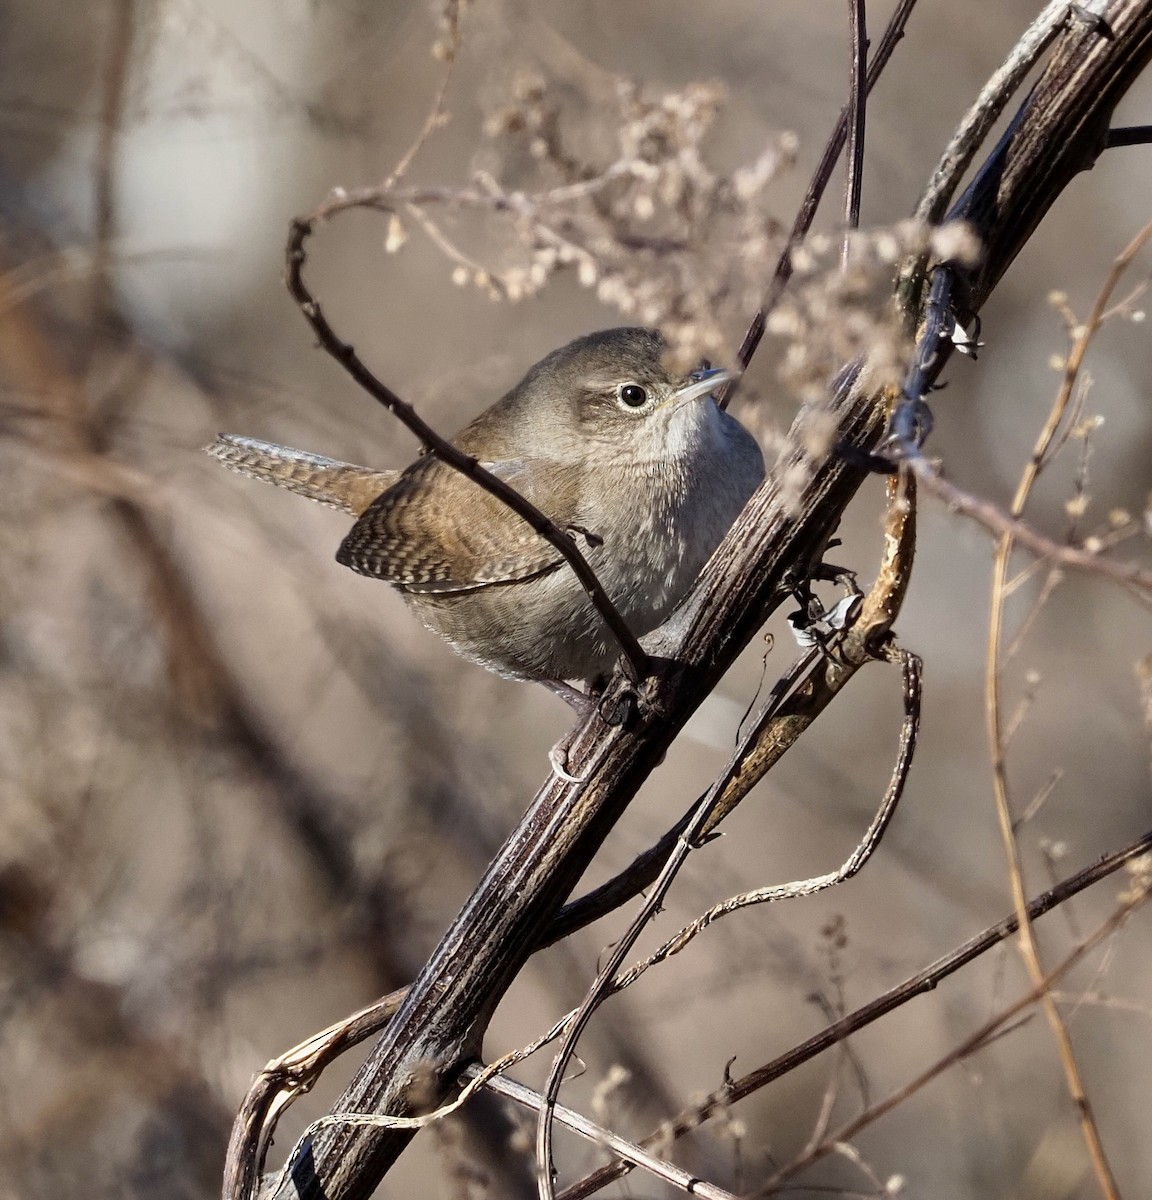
[(440, 1026), (857, 106), (1128, 575), (1039, 994), (991, 102), (451, 51), (629, 1151), (287, 1078), (293, 1074), (806, 214), (868, 637), (995, 717), (919, 984)]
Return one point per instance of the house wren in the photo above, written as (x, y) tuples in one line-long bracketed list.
[(640, 466)]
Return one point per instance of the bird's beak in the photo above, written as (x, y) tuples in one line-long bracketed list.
[(702, 383)]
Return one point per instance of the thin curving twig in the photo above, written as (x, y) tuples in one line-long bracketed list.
[(299, 231), (995, 720)]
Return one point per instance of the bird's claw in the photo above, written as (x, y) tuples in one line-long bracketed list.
[(558, 757)]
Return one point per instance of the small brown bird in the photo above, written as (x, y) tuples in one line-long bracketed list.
[(641, 466)]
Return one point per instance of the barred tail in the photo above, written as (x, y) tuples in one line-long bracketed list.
[(327, 480)]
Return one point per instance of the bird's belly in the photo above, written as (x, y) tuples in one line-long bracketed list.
[(547, 628), (653, 527)]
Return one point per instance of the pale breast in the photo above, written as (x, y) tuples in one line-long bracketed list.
[(654, 527)]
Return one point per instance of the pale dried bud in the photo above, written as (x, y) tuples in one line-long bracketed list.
[(396, 236), (957, 242)]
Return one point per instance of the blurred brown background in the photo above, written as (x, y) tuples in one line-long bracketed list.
[(243, 792)]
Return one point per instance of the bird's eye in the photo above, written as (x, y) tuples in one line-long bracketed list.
[(633, 395)]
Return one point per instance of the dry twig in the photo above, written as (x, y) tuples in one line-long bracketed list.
[(995, 720)]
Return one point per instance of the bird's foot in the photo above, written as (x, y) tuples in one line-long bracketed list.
[(580, 702), (558, 757)]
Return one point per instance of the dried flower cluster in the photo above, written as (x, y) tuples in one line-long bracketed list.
[(840, 308), (659, 234), (834, 313), (448, 21)]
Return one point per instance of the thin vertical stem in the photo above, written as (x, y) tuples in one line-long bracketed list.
[(995, 716), (857, 105)]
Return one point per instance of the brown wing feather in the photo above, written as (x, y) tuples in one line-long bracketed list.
[(437, 531)]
